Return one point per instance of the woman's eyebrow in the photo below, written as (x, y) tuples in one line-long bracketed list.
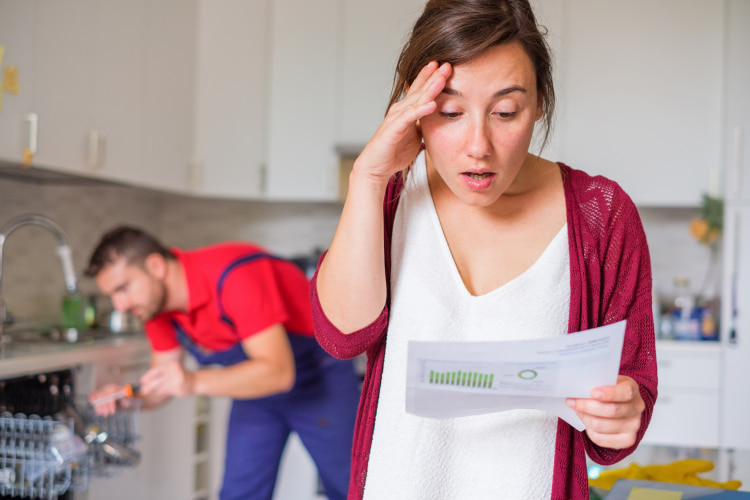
[(499, 93)]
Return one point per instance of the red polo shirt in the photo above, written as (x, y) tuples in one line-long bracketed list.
[(254, 295)]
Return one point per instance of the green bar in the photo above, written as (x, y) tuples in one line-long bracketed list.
[(432, 376), (474, 380), (492, 376), (458, 377)]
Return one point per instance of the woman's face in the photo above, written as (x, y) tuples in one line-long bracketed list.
[(478, 138)]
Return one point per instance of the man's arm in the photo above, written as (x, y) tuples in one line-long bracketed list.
[(270, 370)]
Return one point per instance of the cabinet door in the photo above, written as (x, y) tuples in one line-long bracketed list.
[(119, 97), (687, 409), (64, 82), (735, 335), (230, 121), (302, 161), (17, 37), (374, 33), (737, 142), (169, 95), (642, 95)]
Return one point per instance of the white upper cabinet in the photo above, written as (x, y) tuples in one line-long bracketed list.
[(373, 34), (169, 95), (737, 123), (231, 94), (64, 82), (302, 161), (17, 22), (641, 95), (111, 85)]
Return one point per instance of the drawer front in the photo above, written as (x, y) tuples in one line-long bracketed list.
[(685, 418), (688, 370)]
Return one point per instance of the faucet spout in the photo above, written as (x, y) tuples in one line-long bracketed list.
[(63, 252)]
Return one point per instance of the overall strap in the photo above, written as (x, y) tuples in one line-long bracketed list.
[(247, 259)]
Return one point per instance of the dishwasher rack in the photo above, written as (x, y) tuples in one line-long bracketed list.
[(30, 469), (121, 428)]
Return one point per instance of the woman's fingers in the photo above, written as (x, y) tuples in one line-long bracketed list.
[(613, 413), (396, 142)]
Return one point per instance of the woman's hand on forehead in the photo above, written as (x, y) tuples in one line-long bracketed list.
[(397, 141)]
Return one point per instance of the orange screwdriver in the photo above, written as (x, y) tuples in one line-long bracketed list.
[(128, 391)]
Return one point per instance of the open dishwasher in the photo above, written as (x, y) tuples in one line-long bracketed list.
[(52, 442)]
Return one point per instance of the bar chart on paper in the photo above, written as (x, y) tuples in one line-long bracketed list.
[(498, 377), (463, 379)]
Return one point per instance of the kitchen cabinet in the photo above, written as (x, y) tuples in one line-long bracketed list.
[(110, 84), (641, 95), (231, 94), (302, 161), (373, 34), (687, 409), (17, 37)]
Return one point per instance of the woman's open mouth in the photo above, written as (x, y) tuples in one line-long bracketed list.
[(478, 180)]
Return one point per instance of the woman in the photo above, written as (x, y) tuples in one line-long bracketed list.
[(478, 239)]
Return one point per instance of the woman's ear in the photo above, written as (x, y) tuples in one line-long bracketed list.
[(156, 265)]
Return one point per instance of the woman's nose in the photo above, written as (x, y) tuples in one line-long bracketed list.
[(479, 145)]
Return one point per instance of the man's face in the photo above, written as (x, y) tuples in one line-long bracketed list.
[(136, 289)]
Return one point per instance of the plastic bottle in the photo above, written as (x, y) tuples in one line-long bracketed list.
[(686, 321)]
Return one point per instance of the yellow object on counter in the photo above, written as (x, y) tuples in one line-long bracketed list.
[(682, 472), (653, 494)]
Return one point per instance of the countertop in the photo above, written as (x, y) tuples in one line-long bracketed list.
[(18, 359)]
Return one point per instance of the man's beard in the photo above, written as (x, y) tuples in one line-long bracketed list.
[(158, 308)]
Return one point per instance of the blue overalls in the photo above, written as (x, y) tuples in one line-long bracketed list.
[(320, 408)]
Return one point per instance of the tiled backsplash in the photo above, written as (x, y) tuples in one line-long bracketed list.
[(33, 284), (32, 277)]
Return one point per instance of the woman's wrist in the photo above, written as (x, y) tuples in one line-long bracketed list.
[(362, 182)]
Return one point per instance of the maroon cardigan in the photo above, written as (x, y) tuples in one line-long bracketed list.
[(610, 280)]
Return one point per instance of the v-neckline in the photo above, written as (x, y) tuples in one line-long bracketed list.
[(448, 255)]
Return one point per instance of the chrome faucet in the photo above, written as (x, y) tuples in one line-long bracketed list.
[(63, 251)]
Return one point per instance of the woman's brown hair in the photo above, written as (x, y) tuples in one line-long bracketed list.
[(457, 31)]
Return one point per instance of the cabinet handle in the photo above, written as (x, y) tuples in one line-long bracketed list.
[(28, 155), (96, 150), (733, 298), (737, 159)]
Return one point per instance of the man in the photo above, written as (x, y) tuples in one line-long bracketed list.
[(236, 306)]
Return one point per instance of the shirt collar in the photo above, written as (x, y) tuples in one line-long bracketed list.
[(198, 290)]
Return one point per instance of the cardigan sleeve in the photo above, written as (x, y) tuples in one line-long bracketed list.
[(330, 338), (626, 294)]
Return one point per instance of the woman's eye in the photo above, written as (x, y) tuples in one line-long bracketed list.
[(506, 115), (450, 114)]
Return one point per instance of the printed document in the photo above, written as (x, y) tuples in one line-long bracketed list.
[(458, 379)]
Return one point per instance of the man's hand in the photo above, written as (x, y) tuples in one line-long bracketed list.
[(105, 409), (613, 413), (166, 380)]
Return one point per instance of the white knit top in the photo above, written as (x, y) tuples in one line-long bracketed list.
[(500, 455)]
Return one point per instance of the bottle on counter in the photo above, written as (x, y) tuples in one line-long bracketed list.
[(709, 313), (685, 315)]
